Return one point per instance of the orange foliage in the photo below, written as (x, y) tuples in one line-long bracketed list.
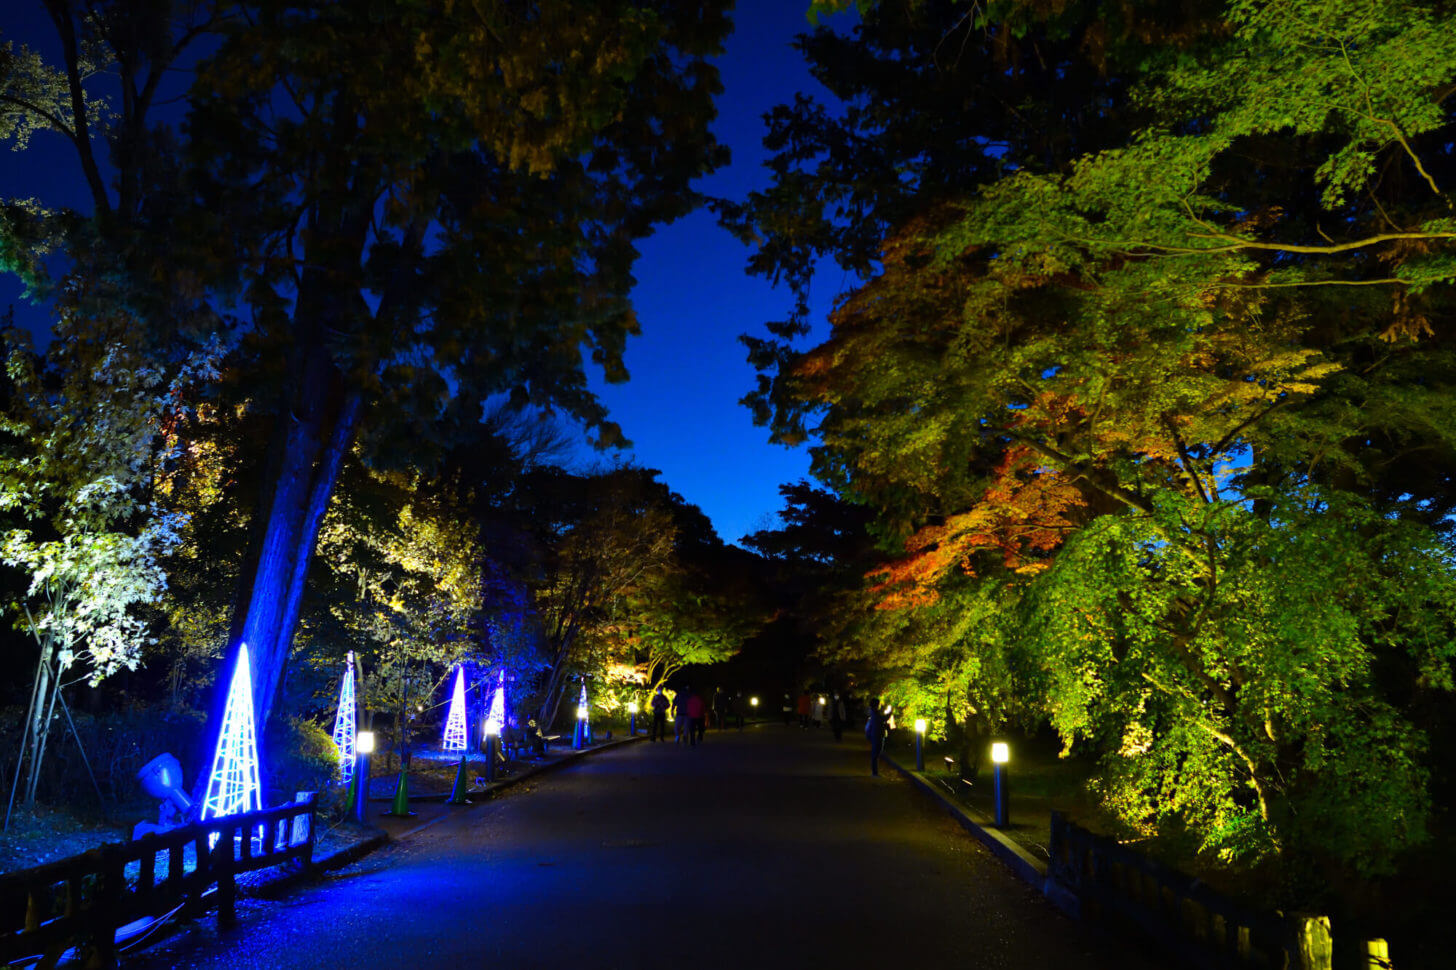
[(1023, 514)]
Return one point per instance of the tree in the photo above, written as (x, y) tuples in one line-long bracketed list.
[(79, 471), (418, 208), (1111, 386)]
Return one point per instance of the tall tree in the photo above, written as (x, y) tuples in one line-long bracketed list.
[(418, 207)]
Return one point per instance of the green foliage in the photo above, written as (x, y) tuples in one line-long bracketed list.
[(300, 756), (1143, 382)]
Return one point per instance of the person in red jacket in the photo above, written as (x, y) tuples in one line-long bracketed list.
[(806, 706), (696, 713)]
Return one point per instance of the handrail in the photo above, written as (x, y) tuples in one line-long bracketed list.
[(86, 898), (1207, 928)]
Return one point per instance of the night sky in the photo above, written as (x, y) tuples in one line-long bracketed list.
[(688, 369)]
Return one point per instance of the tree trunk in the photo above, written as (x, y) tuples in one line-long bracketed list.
[(317, 432), (44, 711)]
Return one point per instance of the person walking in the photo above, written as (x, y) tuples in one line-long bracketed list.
[(681, 727), (719, 707), (836, 716), (735, 708), (660, 704), (697, 714), (875, 731), (805, 706)]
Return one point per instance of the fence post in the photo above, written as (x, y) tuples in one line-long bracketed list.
[(106, 909), (227, 887), (1377, 955), (1316, 947), (312, 833)]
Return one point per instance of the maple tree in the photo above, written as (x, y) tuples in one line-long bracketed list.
[(1142, 351)]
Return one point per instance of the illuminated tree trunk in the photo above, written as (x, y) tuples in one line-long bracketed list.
[(317, 432)]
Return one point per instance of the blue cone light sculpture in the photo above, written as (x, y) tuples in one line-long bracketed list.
[(233, 786), (344, 723), (495, 719), (455, 720)]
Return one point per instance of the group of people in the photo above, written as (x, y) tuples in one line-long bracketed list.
[(691, 713)]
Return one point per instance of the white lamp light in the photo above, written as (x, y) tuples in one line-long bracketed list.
[(920, 725), (581, 712), (1000, 752), (632, 707), (753, 702), (364, 743)]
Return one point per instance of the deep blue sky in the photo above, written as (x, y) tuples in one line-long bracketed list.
[(693, 298)]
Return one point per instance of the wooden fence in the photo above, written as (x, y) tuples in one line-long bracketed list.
[(1207, 930), (86, 899)]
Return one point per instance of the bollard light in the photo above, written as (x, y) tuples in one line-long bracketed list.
[(581, 712), (631, 707), (363, 748), (920, 725), (1000, 756), (632, 718), (492, 743), (920, 744)]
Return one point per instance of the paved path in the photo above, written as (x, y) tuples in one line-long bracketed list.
[(765, 849)]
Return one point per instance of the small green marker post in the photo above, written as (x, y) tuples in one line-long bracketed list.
[(400, 808), (462, 786)]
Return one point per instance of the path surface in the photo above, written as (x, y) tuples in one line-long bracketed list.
[(765, 849)]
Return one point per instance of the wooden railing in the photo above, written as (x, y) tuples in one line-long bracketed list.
[(1206, 929), (85, 899)]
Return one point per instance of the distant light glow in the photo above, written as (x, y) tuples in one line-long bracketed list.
[(455, 721), (920, 725), (753, 702), (632, 707), (583, 708), (365, 743), (1000, 752), (344, 726), (581, 712), (233, 786), (822, 701), (495, 719)]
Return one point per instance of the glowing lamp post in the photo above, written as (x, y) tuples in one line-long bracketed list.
[(492, 732), (753, 703), (582, 736), (578, 738), (363, 748), (632, 718), (1000, 756), (920, 744)]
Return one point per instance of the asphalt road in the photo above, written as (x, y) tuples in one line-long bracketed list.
[(765, 849)]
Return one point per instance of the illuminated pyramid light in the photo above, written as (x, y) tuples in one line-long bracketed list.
[(495, 721), (455, 721), (233, 786), (344, 723), (583, 711)]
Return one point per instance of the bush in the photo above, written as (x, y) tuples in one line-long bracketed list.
[(299, 756)]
